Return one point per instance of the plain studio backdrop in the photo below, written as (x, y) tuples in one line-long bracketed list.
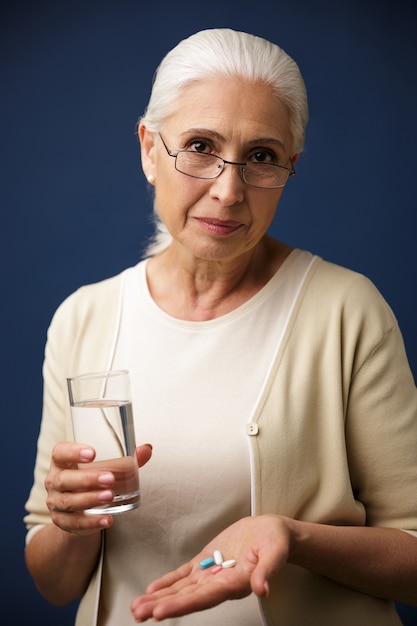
[(75, 208)]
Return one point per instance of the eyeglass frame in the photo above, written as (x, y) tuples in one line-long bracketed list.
[(290, 170)]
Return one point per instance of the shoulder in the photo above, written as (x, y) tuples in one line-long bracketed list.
[(342, 312), (336, 288), (339, 277), (89, 298), (82, 329), (94, 304)]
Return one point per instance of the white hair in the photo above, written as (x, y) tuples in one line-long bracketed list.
[(216, 52)]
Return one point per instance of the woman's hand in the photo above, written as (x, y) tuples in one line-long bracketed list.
[(260, 545), (72, 490), (62, 556)]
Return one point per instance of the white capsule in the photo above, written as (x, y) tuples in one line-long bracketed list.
[(218, 557), (229, 563)]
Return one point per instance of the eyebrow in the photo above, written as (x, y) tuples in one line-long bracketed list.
[(267, 140), (215, 135)]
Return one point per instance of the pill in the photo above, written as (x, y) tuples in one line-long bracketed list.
[(229, 563), (216, 569), (218, 557), (205, 563)]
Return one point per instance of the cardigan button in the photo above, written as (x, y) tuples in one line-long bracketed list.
[(252, 429)]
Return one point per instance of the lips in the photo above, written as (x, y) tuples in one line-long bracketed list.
[(218, 227)]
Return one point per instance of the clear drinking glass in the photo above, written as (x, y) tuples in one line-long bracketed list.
[(102, 417)]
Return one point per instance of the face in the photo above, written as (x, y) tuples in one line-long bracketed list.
[(223, 218)]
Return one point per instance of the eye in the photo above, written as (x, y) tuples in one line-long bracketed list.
[(262, 156), (198, 145)]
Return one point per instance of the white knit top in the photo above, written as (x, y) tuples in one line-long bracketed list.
[(195, 387)]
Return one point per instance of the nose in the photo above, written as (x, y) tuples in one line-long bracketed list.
[(229, 186)]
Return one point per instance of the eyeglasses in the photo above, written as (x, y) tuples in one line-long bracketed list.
[(209, 166)]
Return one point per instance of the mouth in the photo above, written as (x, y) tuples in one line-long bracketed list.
[(218, 227)]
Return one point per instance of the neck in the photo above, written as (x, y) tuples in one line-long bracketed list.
[(200, 289)]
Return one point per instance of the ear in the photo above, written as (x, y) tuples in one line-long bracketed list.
[(147, 150), (294, 158)]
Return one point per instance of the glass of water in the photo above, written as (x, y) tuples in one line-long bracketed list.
[(102, 417)]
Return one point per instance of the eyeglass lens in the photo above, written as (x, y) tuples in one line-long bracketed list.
[(207, 166)]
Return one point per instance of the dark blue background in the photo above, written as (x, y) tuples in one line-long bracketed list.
[(75, 208)]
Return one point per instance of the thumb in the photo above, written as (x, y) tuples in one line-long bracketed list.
[(269, 563), (143, 454), (259, 583)]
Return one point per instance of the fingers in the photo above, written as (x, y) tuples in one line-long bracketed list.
[(66, 484), (193, 598), (260, 546), (143, 607), (67, 454), (67, 509), (71, 490), (196, 592), (170, 579), (78, 493), (78, 523), (190, 588), (74, 484)]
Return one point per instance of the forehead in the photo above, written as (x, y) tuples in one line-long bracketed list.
[(231, 105)]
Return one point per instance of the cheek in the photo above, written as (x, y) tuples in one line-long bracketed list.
[(174, 201), (263, 209)]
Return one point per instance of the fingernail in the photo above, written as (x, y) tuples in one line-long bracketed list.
[(106, 479), (104, 522), (105, 496), (86, 454)]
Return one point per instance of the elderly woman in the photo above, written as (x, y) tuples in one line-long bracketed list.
[(273, 386)]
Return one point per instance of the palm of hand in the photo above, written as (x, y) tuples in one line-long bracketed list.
[(260, 548)]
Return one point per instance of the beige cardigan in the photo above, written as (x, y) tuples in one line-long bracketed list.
[(336, 434)]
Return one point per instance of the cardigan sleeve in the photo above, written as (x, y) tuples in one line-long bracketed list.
[(54, 424), (78, 341), (381, 421), (380, 406)]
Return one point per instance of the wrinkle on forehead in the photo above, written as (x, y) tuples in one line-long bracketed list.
[(230, 107)]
